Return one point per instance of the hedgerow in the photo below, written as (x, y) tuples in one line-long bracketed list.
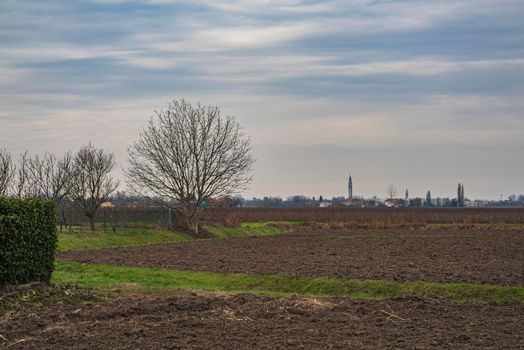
[(28, 240)]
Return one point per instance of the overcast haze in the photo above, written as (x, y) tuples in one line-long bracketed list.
[(421, 94)]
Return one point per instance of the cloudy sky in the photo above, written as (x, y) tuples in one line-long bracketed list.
[(422, 94)]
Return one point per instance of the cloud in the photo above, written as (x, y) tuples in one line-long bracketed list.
[(318, 85), (226, 38)]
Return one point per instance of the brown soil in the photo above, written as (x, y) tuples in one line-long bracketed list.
[(486, 257), (192, 321)]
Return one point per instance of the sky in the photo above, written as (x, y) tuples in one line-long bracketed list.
[(420, 94)]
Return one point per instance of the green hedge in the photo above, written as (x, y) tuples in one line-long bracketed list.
[(28, 240)]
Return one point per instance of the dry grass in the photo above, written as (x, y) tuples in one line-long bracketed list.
[(384, 217)]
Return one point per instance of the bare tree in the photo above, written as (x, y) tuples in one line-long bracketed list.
[(7, 172), (23, 185), (92, 183), (460, 195), (188, 155), (392, 191), (51, 176), (429, 201), (51, 179)]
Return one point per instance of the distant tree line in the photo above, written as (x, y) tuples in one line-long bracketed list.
[(301, 201), (82, 179)]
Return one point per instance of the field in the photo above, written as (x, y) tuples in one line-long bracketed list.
[(380, 217), (480, 257), (284, 285)]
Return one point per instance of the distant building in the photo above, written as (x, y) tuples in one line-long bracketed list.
[(350, 188), (394, 203), (325, 204), (470, 203)]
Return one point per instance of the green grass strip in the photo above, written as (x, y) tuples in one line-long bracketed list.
[(122, 237), (159, 280), (141, 236)]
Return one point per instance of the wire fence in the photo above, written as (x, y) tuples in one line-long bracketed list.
[(111, 219)]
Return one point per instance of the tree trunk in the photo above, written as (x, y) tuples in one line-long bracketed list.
[(113, 220), (192, 224), (60, 222), (92, 223), (63, 219), (196, 227)]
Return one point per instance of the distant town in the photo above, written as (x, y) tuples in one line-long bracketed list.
[(394, 199)]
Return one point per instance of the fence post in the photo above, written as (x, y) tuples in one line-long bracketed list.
[(169, 219), (71, 219), (113, 218)]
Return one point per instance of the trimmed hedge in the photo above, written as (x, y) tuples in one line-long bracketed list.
[(28, 240)]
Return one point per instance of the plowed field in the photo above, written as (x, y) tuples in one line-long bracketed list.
[(194, 321), (474, 256)]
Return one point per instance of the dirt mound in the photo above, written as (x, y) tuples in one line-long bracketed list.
[(486, 257)]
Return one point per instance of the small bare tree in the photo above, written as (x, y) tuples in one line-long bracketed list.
[(23, 186), (51, 179), (187, 155), (392, 192), (51, 176), (92, 183), (7, 172)]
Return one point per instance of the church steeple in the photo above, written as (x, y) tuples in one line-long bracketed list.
[(350, 188)]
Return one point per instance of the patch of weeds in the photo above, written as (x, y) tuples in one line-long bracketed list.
[(44, 295)]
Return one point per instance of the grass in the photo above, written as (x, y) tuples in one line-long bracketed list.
[(122, 237), (105, 277)]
